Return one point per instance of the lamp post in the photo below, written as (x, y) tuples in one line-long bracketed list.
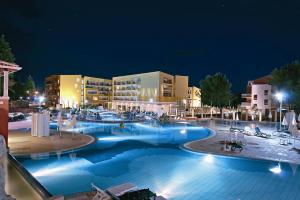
[(279, 97)]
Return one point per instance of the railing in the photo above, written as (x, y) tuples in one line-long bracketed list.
[(246, 95), (245, 104)]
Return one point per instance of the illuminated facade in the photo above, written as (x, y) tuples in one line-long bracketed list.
[(154, 91), (194, 97), (77, 90)]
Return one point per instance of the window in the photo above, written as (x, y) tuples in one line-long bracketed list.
[(266, 92), (266, 102), (267, 111), (255, 97)]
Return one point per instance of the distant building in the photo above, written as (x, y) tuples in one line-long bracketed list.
[(77, 90), (154, 91), (194, 97), (258, 96)]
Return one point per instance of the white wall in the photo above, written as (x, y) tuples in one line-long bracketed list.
[(259, 91)]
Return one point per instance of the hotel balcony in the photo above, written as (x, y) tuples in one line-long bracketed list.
[(246, 105), (246, 95)]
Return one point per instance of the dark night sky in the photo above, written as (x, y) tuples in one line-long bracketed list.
[(244, 39)]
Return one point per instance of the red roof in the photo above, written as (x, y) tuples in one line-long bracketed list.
[(262, 80)]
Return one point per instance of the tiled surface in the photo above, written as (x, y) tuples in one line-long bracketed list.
[(256, 147), (22, 143)]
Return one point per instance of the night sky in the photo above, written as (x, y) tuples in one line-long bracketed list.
[(244, 39)]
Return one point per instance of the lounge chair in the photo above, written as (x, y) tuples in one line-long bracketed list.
[(233, 129), (248, 131), (258, 133), (101, 194), (119, 190)]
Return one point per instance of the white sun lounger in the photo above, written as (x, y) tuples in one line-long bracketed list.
[(160, 198), (101, 194), (119, 190)]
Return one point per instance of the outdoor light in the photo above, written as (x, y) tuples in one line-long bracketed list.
[(41, 99), (279, 96)]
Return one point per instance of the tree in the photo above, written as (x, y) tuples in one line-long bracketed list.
[(287, 78), (5, 51), (236, 99), (6, 55), (215, 90), (29, 84)]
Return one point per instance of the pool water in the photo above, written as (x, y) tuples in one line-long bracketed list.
[(151, 156)]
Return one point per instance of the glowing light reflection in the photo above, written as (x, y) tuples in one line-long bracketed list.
[(183, 131), (53, 169), (276, 170), (208, 158)]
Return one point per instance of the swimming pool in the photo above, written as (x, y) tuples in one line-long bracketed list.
[(150, 156)]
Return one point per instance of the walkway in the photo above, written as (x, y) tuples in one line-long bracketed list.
[(18, 187), (22, 143), (256, 147)]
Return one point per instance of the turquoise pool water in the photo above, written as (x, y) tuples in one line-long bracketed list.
[(151, 157)]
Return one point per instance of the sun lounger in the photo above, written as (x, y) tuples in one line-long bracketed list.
[(258, 133), (160, 198), (248, 131), (119, 190), (233, 129), (101, 194)]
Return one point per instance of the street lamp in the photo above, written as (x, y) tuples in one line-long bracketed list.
[(279, 96)]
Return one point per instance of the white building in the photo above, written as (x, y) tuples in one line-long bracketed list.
[(259, 96)]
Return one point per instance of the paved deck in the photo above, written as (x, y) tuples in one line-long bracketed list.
[(22, 143), (256, 147), (18, 187)]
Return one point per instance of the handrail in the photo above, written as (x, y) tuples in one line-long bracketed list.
[(39, 188)]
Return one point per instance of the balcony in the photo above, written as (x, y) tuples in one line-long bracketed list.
[(246, 95), (246, 105)]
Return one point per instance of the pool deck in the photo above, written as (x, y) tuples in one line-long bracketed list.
[(21, 142), (255, 148)]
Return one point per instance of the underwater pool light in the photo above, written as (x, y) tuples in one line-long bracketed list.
[(277, 169)]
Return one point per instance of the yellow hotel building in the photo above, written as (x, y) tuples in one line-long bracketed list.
[(76, 90), (154, 91)]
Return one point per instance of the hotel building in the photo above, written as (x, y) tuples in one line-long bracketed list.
[(154, 91), (258, 96), (194, 97), (77, 90)]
